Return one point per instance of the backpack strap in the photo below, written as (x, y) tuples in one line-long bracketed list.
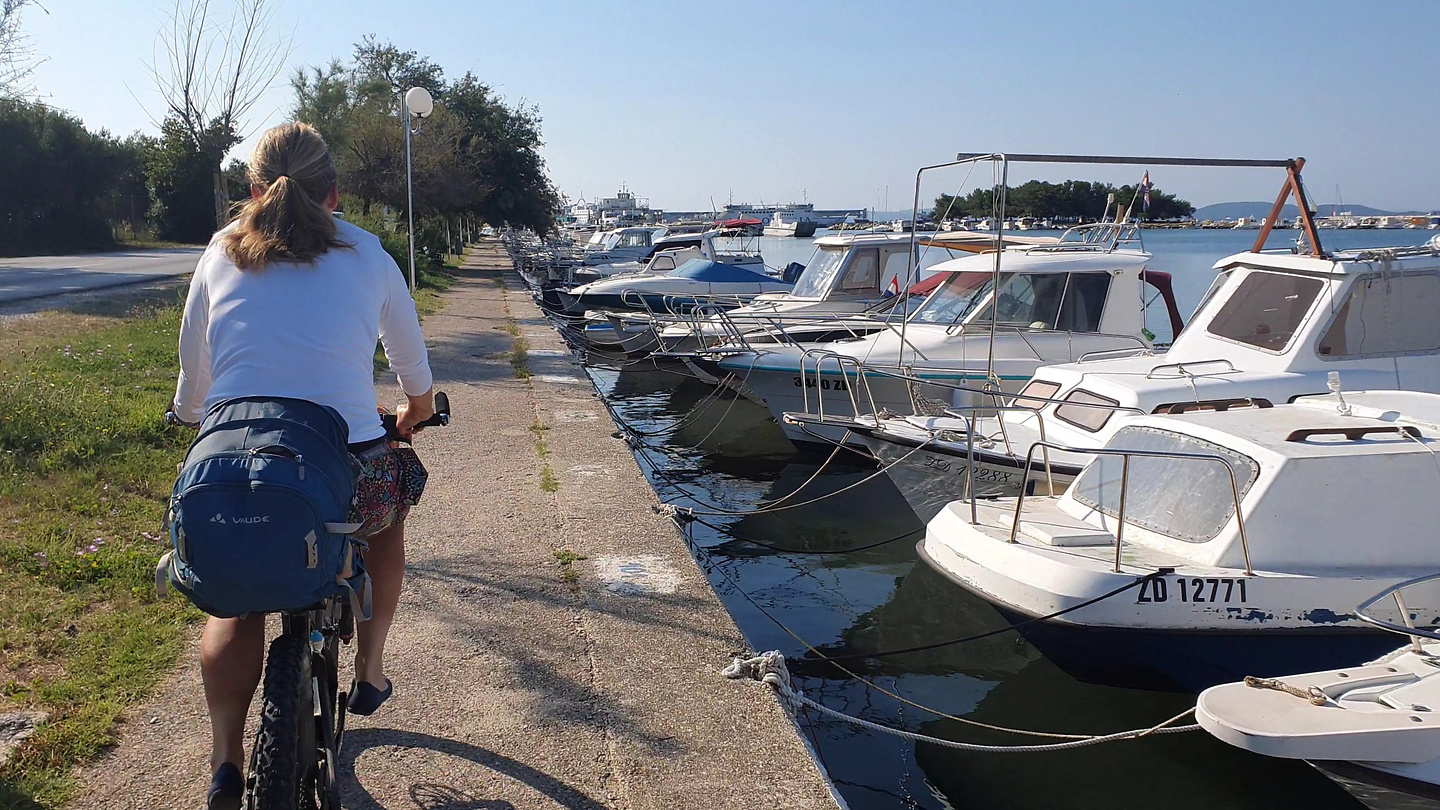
[(162, 574)]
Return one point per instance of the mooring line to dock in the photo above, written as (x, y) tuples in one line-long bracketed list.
[(1086, 739), (635, 438), (769, 668), (715, 511), (678, 424), (679, 514)]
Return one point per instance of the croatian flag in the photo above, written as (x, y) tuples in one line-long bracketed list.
[(894, 288), (1145, 190)]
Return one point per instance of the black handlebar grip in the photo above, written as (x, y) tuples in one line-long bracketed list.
[(440, 419)]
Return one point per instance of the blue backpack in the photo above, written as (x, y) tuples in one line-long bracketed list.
[(258, 517)]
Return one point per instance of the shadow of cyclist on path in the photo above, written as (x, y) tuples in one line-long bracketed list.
[(428, 795)]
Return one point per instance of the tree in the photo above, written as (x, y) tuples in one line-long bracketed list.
[(322, 100), (17, 59), (1072, 199), (474, 155), (181, 186), (58, 178), (214, 74)]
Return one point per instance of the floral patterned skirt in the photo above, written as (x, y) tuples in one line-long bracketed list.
[(388, 481)]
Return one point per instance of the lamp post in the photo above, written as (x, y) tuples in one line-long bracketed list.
[(419, 104)]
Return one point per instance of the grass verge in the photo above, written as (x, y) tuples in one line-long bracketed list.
[(85, 466)]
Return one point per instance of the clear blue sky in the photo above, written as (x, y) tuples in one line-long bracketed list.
[(840, 100)]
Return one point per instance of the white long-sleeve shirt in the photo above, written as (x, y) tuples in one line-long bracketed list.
[(305, 331)]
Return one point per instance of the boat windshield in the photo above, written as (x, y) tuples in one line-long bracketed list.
[(958, 297), (634, 239), (1188, 499), (1071, 302), (819, 275)]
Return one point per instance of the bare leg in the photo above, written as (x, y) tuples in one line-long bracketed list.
[(386, 563), (232, 653)]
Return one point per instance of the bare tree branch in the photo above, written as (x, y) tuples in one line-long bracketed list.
[(17, 58), (211, 72)]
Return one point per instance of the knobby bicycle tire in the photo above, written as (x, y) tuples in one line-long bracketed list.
[(277, 764)]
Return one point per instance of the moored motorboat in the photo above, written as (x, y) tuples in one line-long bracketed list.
[(1198, 548), (1054, 303), (790, 223), (1370, 726), (851, 282), (697, 282), (1275, 326)]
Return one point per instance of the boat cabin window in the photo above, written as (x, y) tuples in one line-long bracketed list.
[(819, 274), (863, 274), (1040, 390), (635, 239), (1266, 309), (1063, 301), (1086, 410), (897, 264), (1084, 302), (1381, 315), (665, 261), (1188, 499)]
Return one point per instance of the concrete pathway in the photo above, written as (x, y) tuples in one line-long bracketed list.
[(36, 276), (516, 688)]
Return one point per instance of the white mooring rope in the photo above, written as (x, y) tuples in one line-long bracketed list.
[(769, 668)]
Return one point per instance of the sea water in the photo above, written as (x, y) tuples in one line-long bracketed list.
[(799, 589)]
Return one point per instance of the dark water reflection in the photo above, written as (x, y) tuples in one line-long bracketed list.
[(722, 451)]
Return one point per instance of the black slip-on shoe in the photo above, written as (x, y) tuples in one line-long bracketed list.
[(227, 788), (365, 698)]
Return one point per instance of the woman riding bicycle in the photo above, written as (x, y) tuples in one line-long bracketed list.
[(287, 301)]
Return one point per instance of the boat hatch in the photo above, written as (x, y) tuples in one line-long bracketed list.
[(1040, 392), (1188, 499), (1086, 410)]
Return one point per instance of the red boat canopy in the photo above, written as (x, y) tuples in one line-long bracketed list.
[(740, 222), (928, 285)]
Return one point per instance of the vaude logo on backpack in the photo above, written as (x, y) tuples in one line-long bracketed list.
[(258, 514)]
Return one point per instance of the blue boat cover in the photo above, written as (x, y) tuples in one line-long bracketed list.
[(719, 273)]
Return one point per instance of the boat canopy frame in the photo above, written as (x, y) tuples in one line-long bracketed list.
[(1293, 186)]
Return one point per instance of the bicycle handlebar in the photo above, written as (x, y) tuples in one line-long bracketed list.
[(389, 420), (440, 419)]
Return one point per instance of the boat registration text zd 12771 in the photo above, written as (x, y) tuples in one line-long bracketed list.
[(1194, 590)]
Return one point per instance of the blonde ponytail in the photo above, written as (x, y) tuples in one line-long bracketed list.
[(288, 221)]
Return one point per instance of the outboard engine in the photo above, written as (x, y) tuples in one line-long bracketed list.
[(791, 273)]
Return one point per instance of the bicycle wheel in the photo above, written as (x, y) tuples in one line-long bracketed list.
[(284, 753)]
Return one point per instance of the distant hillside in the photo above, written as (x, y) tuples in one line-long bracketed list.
[(1235, 210)]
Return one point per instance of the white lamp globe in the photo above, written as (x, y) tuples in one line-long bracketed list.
[(419, 102)]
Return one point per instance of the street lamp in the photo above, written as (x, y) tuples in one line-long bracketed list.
[(419, 104)]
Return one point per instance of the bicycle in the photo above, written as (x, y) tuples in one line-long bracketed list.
[(302, 710)]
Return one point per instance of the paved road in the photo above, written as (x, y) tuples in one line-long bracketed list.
[(37, 276)]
